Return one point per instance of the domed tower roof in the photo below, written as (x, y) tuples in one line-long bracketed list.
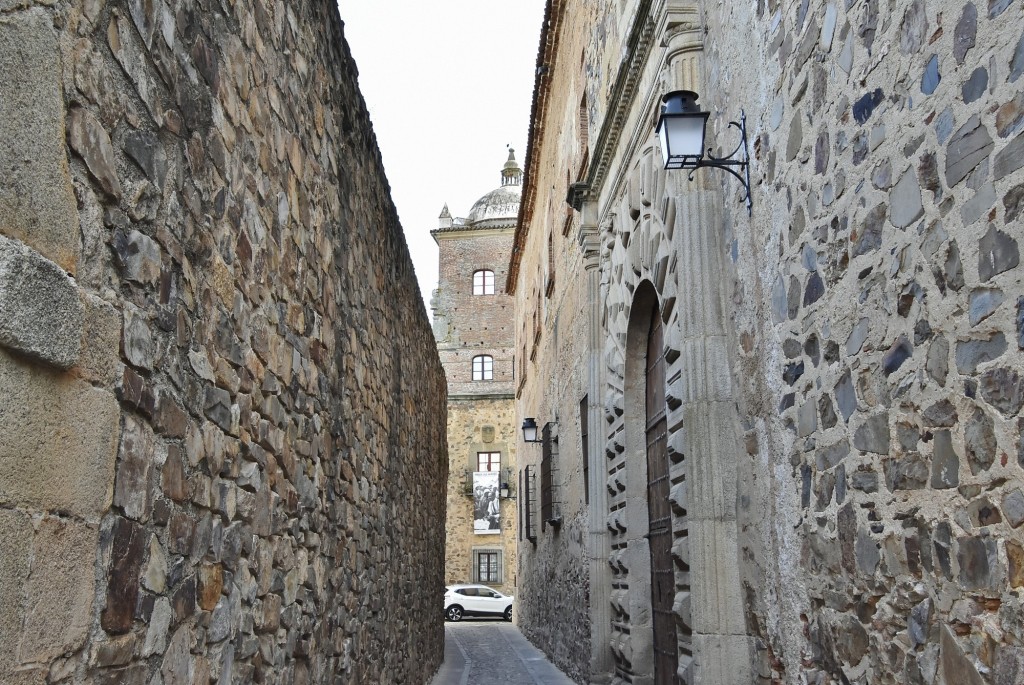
[(500, 207)]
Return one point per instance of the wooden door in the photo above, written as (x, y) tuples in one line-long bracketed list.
[(658, 509)]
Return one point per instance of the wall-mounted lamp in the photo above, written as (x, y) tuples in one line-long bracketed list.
[(506, 488), (681, 128), (530, 430), (536, 434)]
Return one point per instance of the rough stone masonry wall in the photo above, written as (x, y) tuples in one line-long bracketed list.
[(467, 421), (879, 312), (212, 357)]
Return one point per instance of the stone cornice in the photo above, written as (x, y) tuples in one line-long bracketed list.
[(621, 98), (676, 26), (456, 232), (673, 24), (627, 81), (467, 397)]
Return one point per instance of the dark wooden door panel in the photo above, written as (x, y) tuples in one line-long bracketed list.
[(659, 511)]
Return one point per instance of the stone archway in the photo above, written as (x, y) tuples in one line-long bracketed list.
[(674, 262), (652, 578)]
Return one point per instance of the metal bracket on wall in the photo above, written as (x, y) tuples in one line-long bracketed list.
[(726, 162)]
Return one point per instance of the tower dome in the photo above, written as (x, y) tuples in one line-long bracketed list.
[(500, 207)]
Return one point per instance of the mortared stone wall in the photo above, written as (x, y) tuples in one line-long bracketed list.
[(213, 357)]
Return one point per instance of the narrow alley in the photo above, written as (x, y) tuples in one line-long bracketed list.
[(493, 652), (685, 415)]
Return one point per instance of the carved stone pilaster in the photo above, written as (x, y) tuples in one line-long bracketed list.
[(598, 548), (722, 650)]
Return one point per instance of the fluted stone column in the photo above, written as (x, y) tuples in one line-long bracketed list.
[(601, 665), (722, 650)]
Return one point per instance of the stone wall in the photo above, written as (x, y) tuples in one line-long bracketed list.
[(843, 385), (479, 425), (877, 299), (213, 358), (563, 569)]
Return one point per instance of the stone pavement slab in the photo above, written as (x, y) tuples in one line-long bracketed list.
[(493, 653)]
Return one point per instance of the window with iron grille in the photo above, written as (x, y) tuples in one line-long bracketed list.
[(487, 566), (548, 508), (528, 503), (522, 363), (550, 286), (483, 367), (584, 131), (522, 509), (584, 438)]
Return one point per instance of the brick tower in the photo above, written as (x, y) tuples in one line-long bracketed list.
[(473, 327)]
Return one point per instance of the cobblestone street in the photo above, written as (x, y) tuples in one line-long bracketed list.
[(492, 652)]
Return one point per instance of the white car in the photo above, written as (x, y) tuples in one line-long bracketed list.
[(475, 600)]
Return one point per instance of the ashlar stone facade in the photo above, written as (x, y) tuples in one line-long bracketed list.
[(220, 453), (835, 375)]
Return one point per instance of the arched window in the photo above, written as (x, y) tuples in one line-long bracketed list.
[(483, 282), (483, 368)]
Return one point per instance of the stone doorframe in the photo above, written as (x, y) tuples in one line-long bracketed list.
[(645, 305), (660, 230), (670, 247)]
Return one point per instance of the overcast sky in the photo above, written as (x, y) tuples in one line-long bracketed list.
[(448, 84)]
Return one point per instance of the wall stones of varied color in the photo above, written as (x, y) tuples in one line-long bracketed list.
[(886, 240), (479, 425), (213, 357)]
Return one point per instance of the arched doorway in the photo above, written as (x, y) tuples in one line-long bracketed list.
[(653, 624)]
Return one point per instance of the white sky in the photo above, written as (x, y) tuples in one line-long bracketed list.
[(448, 84)]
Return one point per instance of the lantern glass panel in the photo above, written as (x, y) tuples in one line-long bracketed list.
[(530, 430), (682, 138)]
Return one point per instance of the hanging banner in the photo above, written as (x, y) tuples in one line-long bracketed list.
[(486, 505)]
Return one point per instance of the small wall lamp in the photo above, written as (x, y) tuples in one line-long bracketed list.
[(681, 128), (505, 487), (536, 434), (530, 430)]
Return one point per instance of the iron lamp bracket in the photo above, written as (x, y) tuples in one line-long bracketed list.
[(728, 162)]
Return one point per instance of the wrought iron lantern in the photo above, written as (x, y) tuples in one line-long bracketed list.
[(530, 430), (682, 127)]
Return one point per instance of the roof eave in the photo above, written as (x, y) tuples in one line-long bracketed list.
[(547, 50)]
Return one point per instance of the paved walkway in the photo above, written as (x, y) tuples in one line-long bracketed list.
[(493, 653)]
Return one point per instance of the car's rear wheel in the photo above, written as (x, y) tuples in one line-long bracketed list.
[(508, 613), (454, 612)]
